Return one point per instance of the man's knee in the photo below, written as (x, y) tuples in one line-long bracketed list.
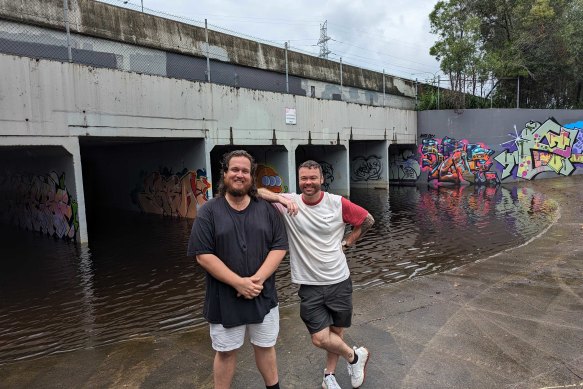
[(321, 339), (338, 331), (263, 350), (226, 355)]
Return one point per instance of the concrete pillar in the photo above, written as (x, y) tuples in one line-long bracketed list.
[(209, 145), (72, 145), (386, 162), (345, 190), (293, 171)]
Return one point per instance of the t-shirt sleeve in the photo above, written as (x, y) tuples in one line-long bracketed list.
[(202, 235), (279, 241), (353, 214)]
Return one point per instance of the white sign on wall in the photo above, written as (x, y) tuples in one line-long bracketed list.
[(290, 116)]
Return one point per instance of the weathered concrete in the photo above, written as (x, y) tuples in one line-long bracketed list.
[(512, 320), (100, 20), (53, 98)]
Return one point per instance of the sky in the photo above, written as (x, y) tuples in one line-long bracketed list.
[(389, 35)]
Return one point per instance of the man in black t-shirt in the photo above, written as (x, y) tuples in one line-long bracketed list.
[(240, 241)]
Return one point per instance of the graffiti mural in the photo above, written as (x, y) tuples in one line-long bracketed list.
[(328, 172), (168, 194), (367, 168), (546, 147), (40, 203), (403, 166), (450, 161), (267, 177)]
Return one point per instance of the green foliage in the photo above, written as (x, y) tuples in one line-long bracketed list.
[(535, 41), (427, 101), (448, 99), (458, 48)]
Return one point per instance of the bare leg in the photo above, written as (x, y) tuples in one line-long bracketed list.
[(331, 342), (224, 368), (332, 358), (266, 362)]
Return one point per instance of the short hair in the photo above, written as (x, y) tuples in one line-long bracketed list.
[(225, 168), (311, 164)]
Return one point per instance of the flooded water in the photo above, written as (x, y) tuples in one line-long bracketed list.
[(134, 279)]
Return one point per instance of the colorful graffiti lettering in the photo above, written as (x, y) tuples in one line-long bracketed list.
[(367, 168), (168, 194), (404, 166), (546, 147), (267, 177), (328, 173), (41, 203), (455, 162)]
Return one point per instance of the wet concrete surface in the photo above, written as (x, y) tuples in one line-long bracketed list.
[(513, 320)]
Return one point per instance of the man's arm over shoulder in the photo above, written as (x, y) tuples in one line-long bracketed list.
[(279, 198)]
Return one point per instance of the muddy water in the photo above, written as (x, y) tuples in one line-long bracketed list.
[(134, 278)]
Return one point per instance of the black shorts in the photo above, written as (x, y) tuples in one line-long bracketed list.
[(326, 305)]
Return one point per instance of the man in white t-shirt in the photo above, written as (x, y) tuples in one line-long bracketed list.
[(315, 222)]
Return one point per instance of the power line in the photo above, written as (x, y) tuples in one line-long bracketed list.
[(371, 58)]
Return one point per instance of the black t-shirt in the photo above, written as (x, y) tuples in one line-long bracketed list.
[(242, 240)]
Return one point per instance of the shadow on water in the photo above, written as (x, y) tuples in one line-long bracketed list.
[(134, 279)]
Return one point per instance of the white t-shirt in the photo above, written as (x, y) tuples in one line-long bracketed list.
[(315, 238)]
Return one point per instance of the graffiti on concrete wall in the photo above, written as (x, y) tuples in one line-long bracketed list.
[(457, 162), (403, 166), (328, 173), (366, 168), (40, 203), (165, 193), (267, 177), (546, 147)]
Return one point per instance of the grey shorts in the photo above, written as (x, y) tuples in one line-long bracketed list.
[(261, 334), (323, 306)]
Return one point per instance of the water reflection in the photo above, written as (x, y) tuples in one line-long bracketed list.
[(421, 230), (134, 278)]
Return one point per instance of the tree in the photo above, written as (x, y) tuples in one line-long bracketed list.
[(458, 48), (528, 44), (571, 32)]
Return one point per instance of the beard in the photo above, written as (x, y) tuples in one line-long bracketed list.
[(313, 187), (237, 192)]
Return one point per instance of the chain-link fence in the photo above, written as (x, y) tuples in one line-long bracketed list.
[(192, 56)]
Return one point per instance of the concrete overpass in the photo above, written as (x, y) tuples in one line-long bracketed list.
[(77, 136)]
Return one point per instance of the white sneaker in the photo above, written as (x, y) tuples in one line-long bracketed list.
[(329, 382), (357, 371)]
